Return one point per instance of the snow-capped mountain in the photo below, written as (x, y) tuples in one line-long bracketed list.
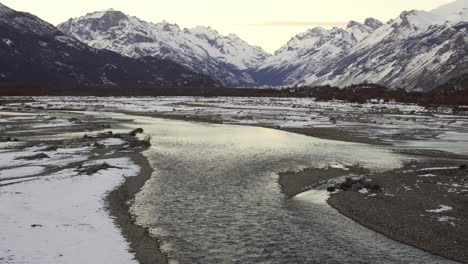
[(361, 31), (35, 52), (418, 50), (309, 52), (202, 49)]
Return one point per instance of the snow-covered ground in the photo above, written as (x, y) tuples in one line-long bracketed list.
[(51, 211), (61, 218), (61, 156), (390, 122)]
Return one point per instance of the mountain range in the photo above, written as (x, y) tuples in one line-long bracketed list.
[(33, 52), (202, 49), (419, 50)]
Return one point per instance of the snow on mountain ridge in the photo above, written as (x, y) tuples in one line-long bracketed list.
[(36, 53), (369, 51), (373, 23), (416, 51), (310, 51), (359, 31), (202, 49)]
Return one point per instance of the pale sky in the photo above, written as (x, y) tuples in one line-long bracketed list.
[(265, 23)]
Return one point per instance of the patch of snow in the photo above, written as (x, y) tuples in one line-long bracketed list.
[(54, 123), (446, 219), (441, 209), (427, 175), (59, 157), (23, 118), (407, 188), (438, 169), (313, 196), (18, 180), (111, 142), (7, 42), (364, 191), (21, 171), (4, 145)]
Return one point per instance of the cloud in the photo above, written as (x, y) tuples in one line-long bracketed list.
[(297, 24)]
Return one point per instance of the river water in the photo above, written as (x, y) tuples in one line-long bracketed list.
[(214, 198)]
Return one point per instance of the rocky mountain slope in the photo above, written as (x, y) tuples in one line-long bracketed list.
[(201, 49), (417, 51), (35, 52), (459, 83), (308, 52)]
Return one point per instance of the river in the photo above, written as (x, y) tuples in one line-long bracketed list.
[(214, 197)]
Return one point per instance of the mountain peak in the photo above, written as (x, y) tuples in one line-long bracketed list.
[(112, 13), (233, 36), (100, 21), (353, 23), (316, 32), (168, 27), (205, 32), (360, 31), (373, 23)]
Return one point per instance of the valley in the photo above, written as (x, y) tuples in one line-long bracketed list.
[(127, 140)]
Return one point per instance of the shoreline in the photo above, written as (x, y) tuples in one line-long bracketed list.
[(417, 206), (131, 240), (360, 221), (409, 215), (147, 249)]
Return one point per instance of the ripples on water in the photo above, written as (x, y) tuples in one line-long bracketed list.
[(214, 198)]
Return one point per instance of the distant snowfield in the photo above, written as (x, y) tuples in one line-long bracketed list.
[(62, 218)]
